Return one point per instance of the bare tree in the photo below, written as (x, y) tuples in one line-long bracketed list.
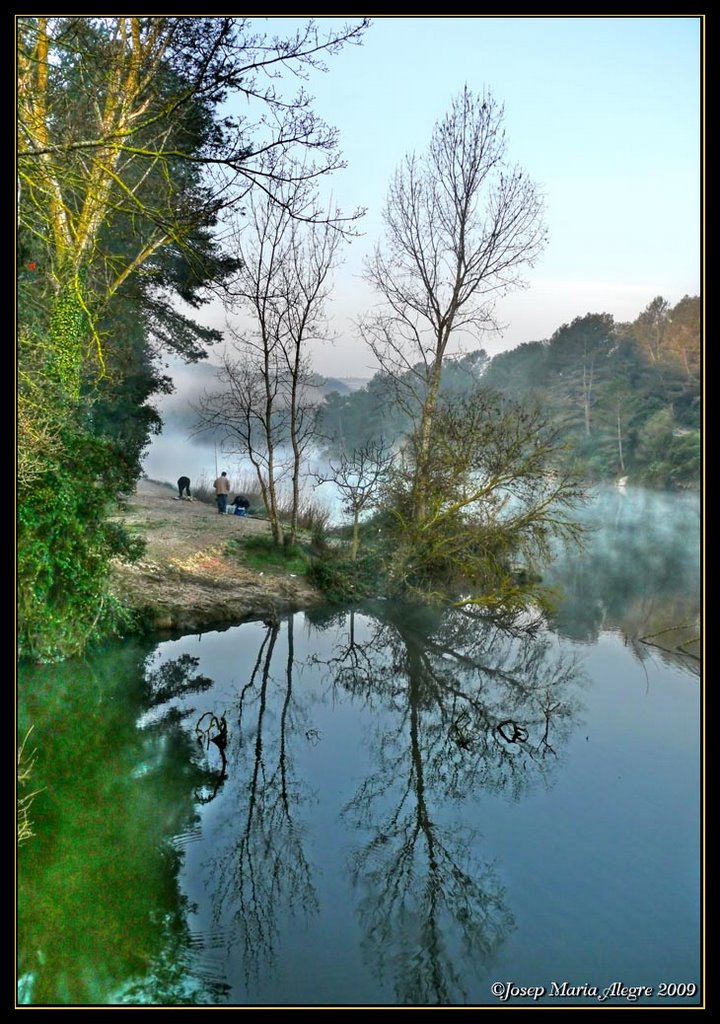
[(460, 225), (358, 478), (242, 412), (267, 404), (262, 870), (301, 317)]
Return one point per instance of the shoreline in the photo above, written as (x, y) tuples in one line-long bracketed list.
[(186, 580)]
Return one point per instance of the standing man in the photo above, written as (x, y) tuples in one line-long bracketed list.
[(184, 487), (222, 489)]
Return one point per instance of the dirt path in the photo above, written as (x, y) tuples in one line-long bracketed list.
[(187, 580)]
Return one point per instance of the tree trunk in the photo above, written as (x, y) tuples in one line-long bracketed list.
[(355, 535), (267, 490), (422, 461), (587, 388), (275, 524), (619, 438), (297, 455), (273, 511)]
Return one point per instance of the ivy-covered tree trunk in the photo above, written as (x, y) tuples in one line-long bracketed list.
[(68, 336)]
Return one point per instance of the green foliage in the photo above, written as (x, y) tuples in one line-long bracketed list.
[(667, 450), (261, 552), (490, 500), (498, 490), (600, 385), (89, 335), (68, 328), (353, 421), (344, 581), (65, 545)]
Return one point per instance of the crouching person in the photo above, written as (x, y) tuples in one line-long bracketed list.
[(241, 505)]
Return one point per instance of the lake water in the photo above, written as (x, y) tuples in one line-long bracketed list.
[(418, 808)]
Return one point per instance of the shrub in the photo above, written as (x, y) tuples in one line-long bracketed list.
[(343, 580), (65, 546)]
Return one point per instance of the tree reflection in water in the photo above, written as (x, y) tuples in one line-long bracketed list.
[(457, 705), (262, 874), (477, 706), (177, 973)]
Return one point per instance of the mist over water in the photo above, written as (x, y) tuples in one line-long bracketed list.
[(176, 453), (180, 451), (639, 570), (640, 564)]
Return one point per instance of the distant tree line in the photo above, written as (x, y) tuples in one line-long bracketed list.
[(624, 396)]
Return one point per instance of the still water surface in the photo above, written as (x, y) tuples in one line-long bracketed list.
[(416, 805)]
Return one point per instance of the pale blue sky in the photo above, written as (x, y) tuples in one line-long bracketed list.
[(604, 113)]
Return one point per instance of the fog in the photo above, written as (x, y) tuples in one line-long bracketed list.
[(181, 451), (177, 453), (639, 569)]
